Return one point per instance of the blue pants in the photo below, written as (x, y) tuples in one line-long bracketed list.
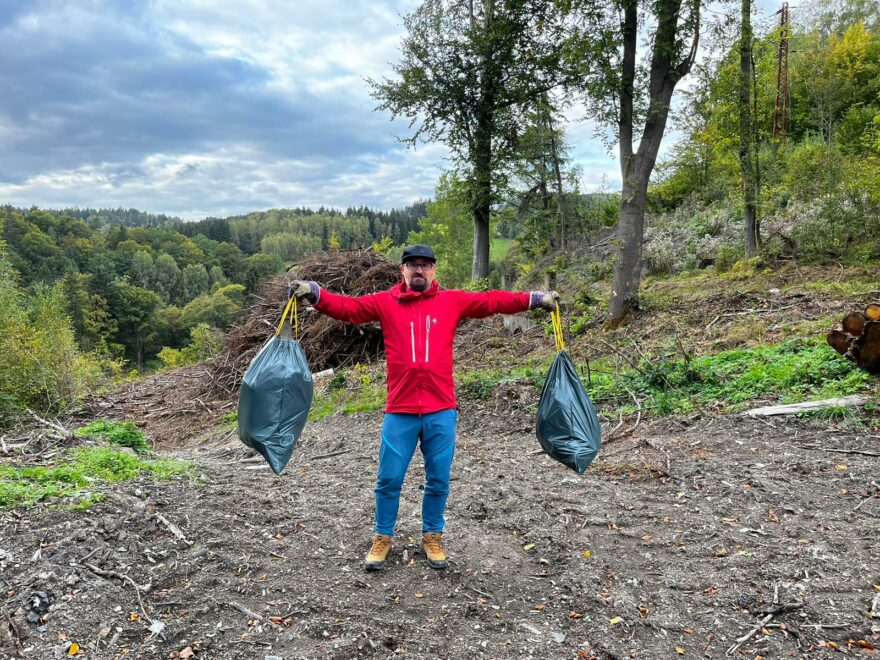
[(435, 434)]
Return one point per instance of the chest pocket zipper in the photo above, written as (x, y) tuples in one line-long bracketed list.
[(412, 338), (427, 336)]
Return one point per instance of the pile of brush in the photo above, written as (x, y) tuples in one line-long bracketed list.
[(859, 340), (327, 342)]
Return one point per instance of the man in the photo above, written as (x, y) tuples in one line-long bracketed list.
[(418, 321)]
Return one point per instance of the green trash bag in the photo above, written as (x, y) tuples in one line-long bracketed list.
[(275, 397), (567, 425)]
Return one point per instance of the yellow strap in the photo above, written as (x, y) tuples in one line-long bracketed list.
[(295, 321), (284, 315), (556, 320)]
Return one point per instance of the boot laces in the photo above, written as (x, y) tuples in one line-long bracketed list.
[(432, 543), (380, 543)]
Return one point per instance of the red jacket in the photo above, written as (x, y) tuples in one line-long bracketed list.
[(418, 328)]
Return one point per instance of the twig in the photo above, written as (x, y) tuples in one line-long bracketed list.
[(662, 451), (13, 631), (482, 593), (331, 454), (750, 311), (638, 409), (622, 354), (610, 436), (52, 425), (742, 640), (245, 611), (869, 497), (124, 578), (174, 529), (842, 451), (824, 626)]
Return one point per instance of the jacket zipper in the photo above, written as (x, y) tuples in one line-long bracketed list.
[(412, 338), (427, 336)]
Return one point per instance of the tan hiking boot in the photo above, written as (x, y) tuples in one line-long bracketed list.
[(433, 549), (375, 560)]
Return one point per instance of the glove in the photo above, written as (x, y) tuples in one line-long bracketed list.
[(305, 289), (544, 300)]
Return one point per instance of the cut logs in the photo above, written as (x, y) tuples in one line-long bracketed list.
[(859, 340)]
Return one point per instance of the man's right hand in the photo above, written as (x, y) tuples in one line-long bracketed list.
[(305, 289)]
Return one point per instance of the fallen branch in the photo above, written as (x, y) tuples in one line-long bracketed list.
[(174, 529), (794, 408), (742, 640), (638, 409), (52, 425), (841, 451), (750, 311), (484, 594), (245, 611)]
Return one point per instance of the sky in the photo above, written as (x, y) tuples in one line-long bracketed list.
[(199, 108)]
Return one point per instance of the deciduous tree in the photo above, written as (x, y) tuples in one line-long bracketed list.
[(467, 72), (634, 101)]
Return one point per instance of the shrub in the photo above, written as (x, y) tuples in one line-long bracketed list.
[(124, 434), (205, 343), (41, 367)]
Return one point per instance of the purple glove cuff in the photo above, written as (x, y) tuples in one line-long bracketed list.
[(316, 292), (536, 298)]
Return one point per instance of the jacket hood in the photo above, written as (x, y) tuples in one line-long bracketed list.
[(402, 292)]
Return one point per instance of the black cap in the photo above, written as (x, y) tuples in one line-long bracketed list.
[(418, 252)]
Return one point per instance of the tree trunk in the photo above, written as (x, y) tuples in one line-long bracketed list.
[(628, 258), (484, 129), (482, 201), (481, 243), (554, 153), (636, 167), (745, 131)]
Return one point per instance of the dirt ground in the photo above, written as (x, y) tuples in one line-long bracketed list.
[(680, 539)]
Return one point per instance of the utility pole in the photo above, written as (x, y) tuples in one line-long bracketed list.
[(780, 108)]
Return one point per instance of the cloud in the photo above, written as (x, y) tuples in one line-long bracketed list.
[(239, 180), (194, 109)]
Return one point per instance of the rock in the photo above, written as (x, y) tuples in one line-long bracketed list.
[(517, 323)]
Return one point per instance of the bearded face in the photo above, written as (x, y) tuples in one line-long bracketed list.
[(418, 274)]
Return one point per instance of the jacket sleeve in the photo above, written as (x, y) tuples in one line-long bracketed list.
[(478, 305), (361, 309)]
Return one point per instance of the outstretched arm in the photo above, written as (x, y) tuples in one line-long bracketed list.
[(360, 309), (482, 304)]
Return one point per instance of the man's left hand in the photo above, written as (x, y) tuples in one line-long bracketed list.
[(545, 299)]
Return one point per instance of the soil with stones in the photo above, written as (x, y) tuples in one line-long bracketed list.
[(684, 537)]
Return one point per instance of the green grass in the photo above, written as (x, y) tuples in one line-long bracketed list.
[(480, 384), (364, 397), (77, 475), (498, 248), (124, 434), (792, 371)]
